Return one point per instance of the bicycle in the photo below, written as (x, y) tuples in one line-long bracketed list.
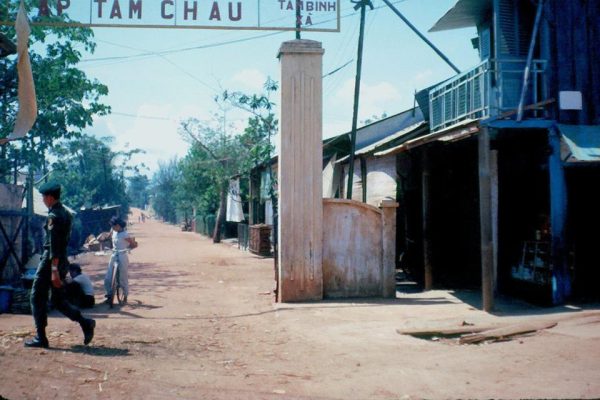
[(115, 284)]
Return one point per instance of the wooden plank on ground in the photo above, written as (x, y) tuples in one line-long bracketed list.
[(507, 331), (453, 331)]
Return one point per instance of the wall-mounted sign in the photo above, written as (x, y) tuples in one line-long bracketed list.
[(308, 15)]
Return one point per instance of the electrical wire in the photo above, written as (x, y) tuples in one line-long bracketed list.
[(211, 45)]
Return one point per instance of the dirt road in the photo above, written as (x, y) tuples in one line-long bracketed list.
[(201, 324)]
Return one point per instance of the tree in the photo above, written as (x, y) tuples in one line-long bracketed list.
[(67, 99), (221, 154), (217, 154), (197, 187), (91, 173), (137, 190), (256, 139), (164, 185)]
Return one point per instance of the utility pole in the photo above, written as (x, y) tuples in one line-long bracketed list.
[(298, 19), (362, 4)]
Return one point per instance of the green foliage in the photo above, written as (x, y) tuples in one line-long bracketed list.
[(67, 98), (164, 184), (91, 173), (262, 126), (216, 154), (138, 190), (197, 185)]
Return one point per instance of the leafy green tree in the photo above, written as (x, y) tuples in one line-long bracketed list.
[(137, 190), (164, 184), (256, 139), (220, 152), (197, 186), (67, 99), (217, 153), (92, 174)]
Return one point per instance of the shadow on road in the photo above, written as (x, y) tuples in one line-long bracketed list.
[(100, 351), (505, 306)]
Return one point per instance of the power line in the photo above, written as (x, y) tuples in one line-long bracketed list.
[(337, 69), (211, 45), (141, 116)]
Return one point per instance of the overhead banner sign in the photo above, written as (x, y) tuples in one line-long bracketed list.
[(306, 15)]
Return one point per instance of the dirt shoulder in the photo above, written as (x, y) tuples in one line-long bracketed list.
[(201, 324)]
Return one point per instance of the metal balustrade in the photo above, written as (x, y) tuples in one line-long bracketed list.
[(487, 90)]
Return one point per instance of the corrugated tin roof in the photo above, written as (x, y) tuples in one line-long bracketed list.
[(382, 128), (408, 131), (460, 131), (464, 14), (583, 141)]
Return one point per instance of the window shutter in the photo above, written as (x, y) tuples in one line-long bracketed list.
[(485, 43), (508, 37)]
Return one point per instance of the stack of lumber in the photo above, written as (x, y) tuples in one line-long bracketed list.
[(471, 334)]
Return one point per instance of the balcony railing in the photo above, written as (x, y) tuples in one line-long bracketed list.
[(491, 88)]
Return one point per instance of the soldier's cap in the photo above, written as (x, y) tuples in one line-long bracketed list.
[(50, 188)]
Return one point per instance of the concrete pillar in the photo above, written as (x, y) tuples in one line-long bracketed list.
[(388, 226), (300, 178)]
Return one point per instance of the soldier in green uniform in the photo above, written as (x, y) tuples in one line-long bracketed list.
[(53, 269)]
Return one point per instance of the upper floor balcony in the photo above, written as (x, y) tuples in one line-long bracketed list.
[(490, 89)]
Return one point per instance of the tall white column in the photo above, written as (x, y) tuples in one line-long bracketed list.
[(300, 177)]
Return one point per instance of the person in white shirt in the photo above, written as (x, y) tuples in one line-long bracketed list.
[(79, 291), (120, 241)]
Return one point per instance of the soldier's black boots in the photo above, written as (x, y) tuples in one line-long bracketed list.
[(88, 325), (37, 341)]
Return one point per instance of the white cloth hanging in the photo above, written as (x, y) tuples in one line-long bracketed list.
[(235, 212)]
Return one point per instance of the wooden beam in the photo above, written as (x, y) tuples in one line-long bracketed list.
[(426, 198), (447, 332), (485, 221), (507, 331)]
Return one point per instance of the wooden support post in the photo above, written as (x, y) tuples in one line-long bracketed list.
[(561, 284), (388, 270), (494, 194), (426, 195), (28, 217), (485, 221)]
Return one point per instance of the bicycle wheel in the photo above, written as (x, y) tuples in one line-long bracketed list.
[(120, 292), (113, 284)]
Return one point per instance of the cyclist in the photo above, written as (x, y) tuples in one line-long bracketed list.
[(120, 241)]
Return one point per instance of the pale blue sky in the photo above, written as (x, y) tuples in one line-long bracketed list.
[(150, 94)]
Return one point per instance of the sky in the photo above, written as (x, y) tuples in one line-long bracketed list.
[(150, 95)]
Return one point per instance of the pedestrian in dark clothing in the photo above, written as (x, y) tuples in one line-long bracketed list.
[(52, 271), (79, 290)]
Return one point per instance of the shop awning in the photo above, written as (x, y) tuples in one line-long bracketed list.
[(460, 131), (583, 141), (464, 14), (406, 133)]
